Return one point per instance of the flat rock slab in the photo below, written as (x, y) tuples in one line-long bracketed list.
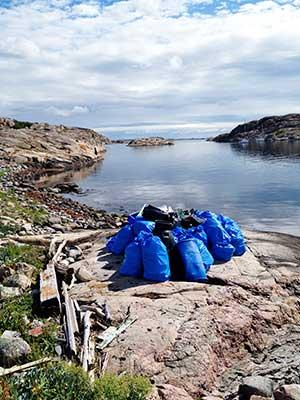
[(205, 338)]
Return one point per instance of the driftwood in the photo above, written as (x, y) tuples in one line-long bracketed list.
[(70, 320), (94, 309), (52, 247), (49, 293), (111, 333), (59, 251), (104, 362), (86, 340), (107, 312), (20, 368)]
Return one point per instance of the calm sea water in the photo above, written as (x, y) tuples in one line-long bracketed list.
[(257, 184)]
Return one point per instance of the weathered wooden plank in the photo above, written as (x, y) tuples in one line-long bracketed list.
[(110, 334), (20, 368), (71, 321), (49, 293), (86, 340)]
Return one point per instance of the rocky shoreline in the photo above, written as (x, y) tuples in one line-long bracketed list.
[(274, 128)]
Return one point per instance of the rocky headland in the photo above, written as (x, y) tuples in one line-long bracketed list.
[(286, 127), (235, 337), (150, 141), (52, 146)]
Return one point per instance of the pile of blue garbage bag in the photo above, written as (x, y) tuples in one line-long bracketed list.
[(160, 245)]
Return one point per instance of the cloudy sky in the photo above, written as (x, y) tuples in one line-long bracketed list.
[(159, 63)]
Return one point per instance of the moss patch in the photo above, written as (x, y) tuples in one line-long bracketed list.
[(11, 206)]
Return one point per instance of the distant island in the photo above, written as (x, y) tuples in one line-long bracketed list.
[(285, 127), (150, 141)]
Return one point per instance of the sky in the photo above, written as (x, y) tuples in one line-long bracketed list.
[(199, 65)]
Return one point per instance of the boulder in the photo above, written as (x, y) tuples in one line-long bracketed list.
[(13, 349), (18, 280), (5, 272), (256, 385), (287, 392)]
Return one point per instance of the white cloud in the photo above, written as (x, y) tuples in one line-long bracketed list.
[(138, 61), (68, 112), (86, 10)]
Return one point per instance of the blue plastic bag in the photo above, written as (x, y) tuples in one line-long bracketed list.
[(110, 243), (133, 262), (143, 226), (207, 258), (222, 252), (235, 233), (121, 240), (205, 214), (180, 233), (219, 240), (192, 260), (155, 259), (199, 233)]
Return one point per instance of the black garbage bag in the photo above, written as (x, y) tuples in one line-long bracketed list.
[(151, 213)]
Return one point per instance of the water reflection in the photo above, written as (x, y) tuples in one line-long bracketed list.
[(49, 180), (270, 150)]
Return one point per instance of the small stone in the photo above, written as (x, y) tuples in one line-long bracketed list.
[(74, 252), (27, 228), (287, 392), (83, 275), (58, 227), (7, 292), (64, 263), (54, 220), (13, 349), (256, 385), (18, 280)]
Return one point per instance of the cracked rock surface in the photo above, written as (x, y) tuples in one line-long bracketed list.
[(205, 338)]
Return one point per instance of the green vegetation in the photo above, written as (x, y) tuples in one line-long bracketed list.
[(3, 172), (9, 229), (111, 387), (12, 254), (22, 124), (11, 206), (60, 381), (17, 314)]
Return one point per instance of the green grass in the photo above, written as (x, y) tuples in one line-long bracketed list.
[(11, 206), (111, 387), (60, 381), (22, 124), (11, 254), (17, 314), (8, 229)]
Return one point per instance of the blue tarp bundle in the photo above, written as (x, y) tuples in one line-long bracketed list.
[(217, 238)]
